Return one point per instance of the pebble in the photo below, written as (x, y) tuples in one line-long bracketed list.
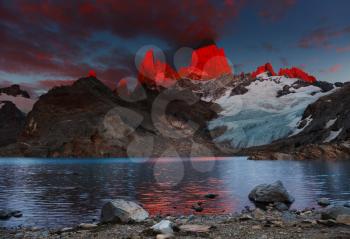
[(211, 195), (87, 225), (164, 236)]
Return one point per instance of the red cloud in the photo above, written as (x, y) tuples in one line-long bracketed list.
[(335, 68), (343, 49), (321, 37)]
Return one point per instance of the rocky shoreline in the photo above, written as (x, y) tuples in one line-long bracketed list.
[(271, 218), (250, 223)]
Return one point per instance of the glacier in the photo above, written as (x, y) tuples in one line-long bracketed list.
[(259, 117)]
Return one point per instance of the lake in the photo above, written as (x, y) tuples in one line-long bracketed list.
[(56, 193)]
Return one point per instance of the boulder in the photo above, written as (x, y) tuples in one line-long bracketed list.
[(334, 212), (5, 214), (122, 211), (164, 227), (324, 202), (271, 193)]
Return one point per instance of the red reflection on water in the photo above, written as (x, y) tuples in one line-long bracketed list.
[(159, 200)]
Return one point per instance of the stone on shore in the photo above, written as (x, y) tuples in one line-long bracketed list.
[(122, 211), (193, 228), (271, 193), (324, 202), (334, 212), (164, 227), (87, 226)]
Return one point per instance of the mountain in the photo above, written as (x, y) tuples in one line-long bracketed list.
[(87, 119), (263, 114), (13, 102), (17, 96), (11, 123)]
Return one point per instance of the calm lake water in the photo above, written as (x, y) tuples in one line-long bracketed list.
[(64, 192)]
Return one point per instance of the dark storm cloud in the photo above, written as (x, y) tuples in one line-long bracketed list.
[(54, 37)]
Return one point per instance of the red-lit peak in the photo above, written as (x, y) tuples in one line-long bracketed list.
[(155, 72), (208, 62), (293, 72), (92, 73), (262, 69)]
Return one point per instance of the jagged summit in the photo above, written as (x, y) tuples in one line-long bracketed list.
[(208, 62), (293, 72)]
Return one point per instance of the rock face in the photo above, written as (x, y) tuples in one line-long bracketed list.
[(295, 72), (121, 211), (155, 72), (11, 123), (208, 62), (271, 193)]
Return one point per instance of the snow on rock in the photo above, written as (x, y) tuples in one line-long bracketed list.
[(23, 104), (258, 117), (330, 123), (332, 135)]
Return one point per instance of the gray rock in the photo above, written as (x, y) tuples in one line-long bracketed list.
[(334, 212), (5, 214), (164, 227), (122, 211), (324, 202), (271, 193), (280, 206)]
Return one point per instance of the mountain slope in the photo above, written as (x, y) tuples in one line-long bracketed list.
[(87, 119), (324, 131)]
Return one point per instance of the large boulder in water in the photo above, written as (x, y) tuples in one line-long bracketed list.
[(271, 193), (122, 211)]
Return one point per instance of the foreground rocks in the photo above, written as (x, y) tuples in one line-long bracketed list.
[(123, 211), (274, 193), (258, 223)]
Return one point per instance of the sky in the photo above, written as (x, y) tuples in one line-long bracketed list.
[(54, 42)]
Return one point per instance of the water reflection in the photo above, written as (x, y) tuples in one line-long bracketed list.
[(58, 193)]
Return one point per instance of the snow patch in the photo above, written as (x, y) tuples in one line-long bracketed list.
[(330, 123), (23, 104), (298, 130), (258, 117), (332, 135)]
